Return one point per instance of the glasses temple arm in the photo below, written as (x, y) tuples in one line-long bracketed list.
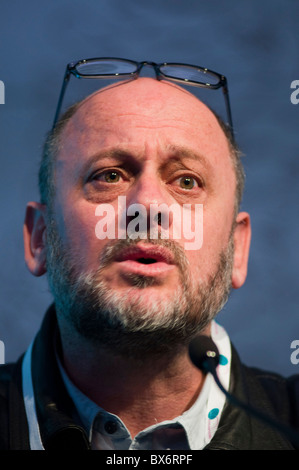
[(66, 79), (228, 108)]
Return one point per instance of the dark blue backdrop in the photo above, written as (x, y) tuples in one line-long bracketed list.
[(256, 44)]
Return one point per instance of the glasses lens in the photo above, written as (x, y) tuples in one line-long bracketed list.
[(189, 73), (105, 67)]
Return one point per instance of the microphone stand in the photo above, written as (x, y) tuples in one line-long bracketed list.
[(288, 432), (207, 360)]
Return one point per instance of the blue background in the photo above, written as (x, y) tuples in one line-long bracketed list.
[(256, 45)]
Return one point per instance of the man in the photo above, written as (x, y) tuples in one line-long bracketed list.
[(110, 368)]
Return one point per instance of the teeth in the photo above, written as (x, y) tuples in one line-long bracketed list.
[(146, 260)]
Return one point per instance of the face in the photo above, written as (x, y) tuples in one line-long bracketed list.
[(144, 142)]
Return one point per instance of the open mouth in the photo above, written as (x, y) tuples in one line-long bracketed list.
[(146, 259), (146, 254)]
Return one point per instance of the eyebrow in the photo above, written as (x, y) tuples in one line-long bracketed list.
[(113, 153), (182, 152), (175, 153)]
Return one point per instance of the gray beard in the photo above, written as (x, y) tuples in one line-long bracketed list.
[(119, 323)]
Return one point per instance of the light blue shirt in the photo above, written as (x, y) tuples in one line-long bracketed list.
[(107, 431), (192, 430)]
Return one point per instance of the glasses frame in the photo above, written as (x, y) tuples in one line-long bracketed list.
[(71, 69)]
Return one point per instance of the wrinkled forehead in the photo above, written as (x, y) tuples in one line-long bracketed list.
[(142, 88), (150, 122), (153, 100)]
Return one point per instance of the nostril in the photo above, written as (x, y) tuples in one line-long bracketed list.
[(158, 218), (132, 217)]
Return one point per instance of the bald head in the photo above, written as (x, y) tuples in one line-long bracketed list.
[(154, 101), (146, 104)]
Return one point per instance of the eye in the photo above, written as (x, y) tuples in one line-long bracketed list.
[(109, 176), (186, 182)]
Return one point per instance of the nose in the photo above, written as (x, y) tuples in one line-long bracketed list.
[(148, 204)]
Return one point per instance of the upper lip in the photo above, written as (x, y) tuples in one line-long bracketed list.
[(139, 252)]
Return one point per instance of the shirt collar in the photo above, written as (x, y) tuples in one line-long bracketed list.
[(199, 422)]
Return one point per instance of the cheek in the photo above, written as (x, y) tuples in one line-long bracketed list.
[(76, 226), (216, 230)]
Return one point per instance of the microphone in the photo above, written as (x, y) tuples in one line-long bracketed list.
[(204, 354)]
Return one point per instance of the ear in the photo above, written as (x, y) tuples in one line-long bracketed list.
[(34, 233), (242, 237)]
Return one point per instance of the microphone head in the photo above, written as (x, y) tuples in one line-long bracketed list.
[(203, 351)]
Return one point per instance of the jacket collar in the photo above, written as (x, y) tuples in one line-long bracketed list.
[(55, 409), (237, 429)]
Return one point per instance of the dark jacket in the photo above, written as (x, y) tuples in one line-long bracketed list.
[(271, 393)]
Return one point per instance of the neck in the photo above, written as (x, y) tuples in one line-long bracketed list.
[(140, 392)]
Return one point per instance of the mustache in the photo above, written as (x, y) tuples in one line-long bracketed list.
[(114, 248)]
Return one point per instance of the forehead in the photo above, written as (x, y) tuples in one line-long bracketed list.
[(143, 110)]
